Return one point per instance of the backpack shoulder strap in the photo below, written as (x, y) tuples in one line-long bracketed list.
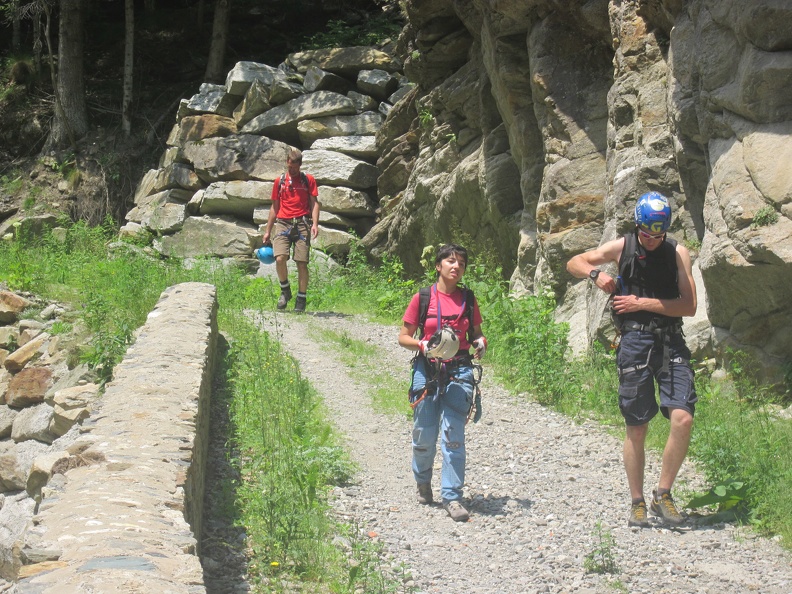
[(469, 300), (304, 180), (424, 296), (281, 182), (627, 255)]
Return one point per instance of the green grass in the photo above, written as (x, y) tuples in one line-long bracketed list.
[(287, 455), (365, 363)]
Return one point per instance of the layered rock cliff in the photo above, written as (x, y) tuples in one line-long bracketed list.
[(536, 124)]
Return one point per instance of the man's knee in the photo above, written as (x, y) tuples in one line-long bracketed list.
[(637, 432), (681, 419)]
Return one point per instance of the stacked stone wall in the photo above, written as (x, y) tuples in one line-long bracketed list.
[(123, 509)]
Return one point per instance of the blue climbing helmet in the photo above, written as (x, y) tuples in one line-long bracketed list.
[(653, 212), (265, 254)]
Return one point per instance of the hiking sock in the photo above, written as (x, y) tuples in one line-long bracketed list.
[(300, 294), (660, 492), (285, 286), (638, 500)]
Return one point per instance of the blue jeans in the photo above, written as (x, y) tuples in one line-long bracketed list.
[(445, 409)]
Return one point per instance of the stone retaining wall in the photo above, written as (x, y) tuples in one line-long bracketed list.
[(128, 517)]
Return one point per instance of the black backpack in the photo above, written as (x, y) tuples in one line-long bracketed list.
[(425, 294)]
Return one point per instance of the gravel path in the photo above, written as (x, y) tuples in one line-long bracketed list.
[(537, 484)]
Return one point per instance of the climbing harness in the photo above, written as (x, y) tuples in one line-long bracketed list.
[(440, 370), (289, 233), (439, 374), (664, 333)]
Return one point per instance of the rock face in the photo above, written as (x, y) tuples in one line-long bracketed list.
[(212, 190), (534, 127), (528, 128)]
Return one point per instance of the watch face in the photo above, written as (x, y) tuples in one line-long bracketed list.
[(594, 274)]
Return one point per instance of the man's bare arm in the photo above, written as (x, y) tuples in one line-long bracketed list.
[(580, 266)]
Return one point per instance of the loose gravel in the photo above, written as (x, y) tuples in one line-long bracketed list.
[(538, 484)]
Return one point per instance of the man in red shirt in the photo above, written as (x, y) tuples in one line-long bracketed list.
[(295, 216)]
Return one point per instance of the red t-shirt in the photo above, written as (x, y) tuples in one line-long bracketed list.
[(293, 196), (452, 309)]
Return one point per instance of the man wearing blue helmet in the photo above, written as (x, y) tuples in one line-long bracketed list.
[(653, 291)]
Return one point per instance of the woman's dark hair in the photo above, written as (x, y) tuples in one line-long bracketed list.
[(444, 251)]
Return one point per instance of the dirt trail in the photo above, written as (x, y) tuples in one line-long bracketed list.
[(537, 484)]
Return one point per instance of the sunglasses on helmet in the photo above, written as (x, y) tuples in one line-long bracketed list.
[(643, 233)]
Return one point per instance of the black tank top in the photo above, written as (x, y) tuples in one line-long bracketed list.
[(651, 274)]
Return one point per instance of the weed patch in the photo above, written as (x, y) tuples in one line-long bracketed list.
[(602, 558)]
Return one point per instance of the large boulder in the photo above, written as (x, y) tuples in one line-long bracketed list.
[(240, 157), (334, 241), (235, 198), (211, 99), (359, 147), (281, 122), (29, 387), (364, 124), (242, 75), (31, 351), (71, 406), (345, 201), (33, 423), (336, 169), (11, 305), (15, 462), (345, 61), (220, 237), (147, 205)]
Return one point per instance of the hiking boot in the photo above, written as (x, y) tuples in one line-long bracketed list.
[(284, 298), (665, 509), (299, 304), (425, 493), (457, 511), (638, 515)]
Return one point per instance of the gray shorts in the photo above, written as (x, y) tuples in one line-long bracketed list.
[(640, 361)]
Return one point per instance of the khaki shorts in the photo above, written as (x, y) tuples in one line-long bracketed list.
[(290, 232)]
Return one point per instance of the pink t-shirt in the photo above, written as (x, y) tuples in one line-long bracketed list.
[(452, 312), (293, 196)]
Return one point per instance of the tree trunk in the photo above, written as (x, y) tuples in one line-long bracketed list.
[(16, 40), (129, 56), (71, 120), (199, 15), (36, 16), (214, 65)]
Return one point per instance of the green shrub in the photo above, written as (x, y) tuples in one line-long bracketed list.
[(602, 558), (339, 33), (765, 216)]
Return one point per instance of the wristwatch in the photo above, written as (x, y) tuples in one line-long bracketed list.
[(594, 274)]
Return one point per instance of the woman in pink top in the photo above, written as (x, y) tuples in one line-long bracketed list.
[(442, 390)]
